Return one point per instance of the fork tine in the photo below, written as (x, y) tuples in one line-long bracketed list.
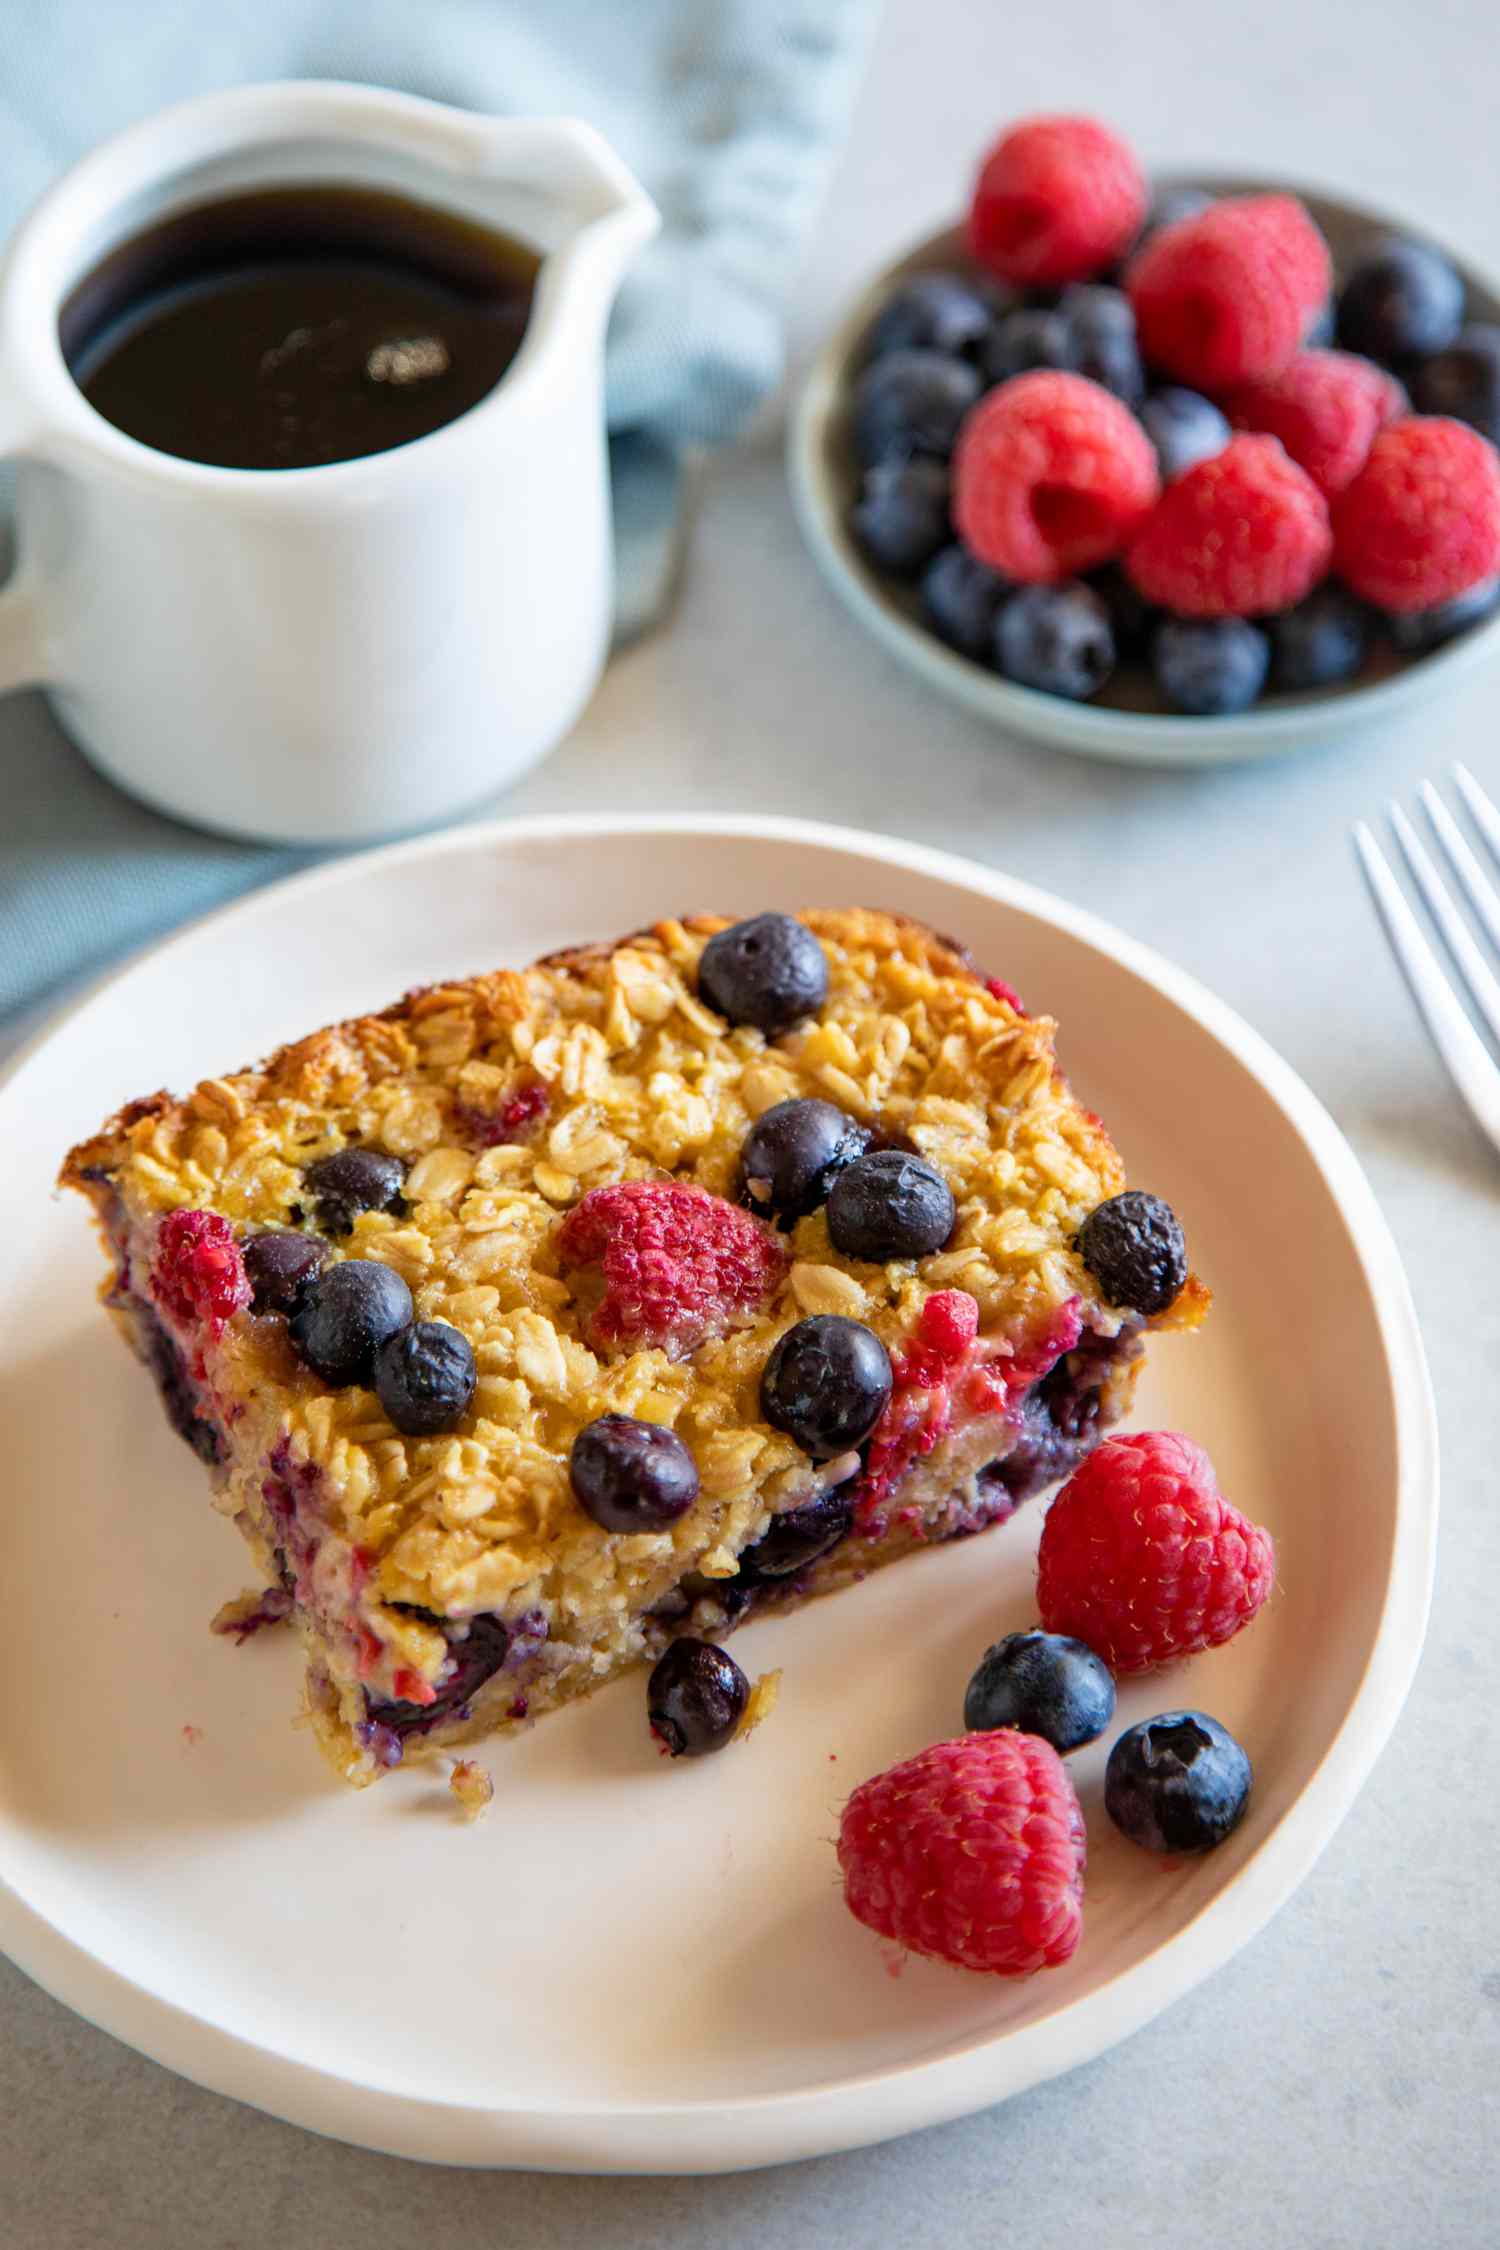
[(1472, 966), (1455, 1038), (1482, 894), (1485, 815)]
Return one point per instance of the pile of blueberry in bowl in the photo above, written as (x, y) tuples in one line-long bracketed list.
[(1223, 455)]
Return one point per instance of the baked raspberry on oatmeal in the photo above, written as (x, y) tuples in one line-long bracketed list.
[(557, 1315)]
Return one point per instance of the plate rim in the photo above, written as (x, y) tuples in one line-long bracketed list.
[(840, 2113), (1155, 739)]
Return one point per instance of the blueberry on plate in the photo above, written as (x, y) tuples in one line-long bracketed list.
[(1172, 204), (1464, 380), (890, 1205), (695, 1698), (826, 1384), (1417, 632), (1320, 643), (1210, 667), (1177, 1783), (1056, 638), (425, 1377), (931, 312), (1042, 1683), (900, 519), (1101, 339), (792, 1155), (769, 971), (1132, 618), (911, 403), (353, 1180), (632, 1476), (345, 1314), (963, 598), (1400, 302), (800, 1536), (278, 1266), (1023, 340), (1134, 1247), (1185, 427)]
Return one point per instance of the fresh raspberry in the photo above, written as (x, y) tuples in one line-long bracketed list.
[(1051, 476), (1057, 199), (197, 1273), (1226, 297), (520, 1110), (971, 1852), (1420, 524), (1144, 1559), (1326, 408), (676, 1263), (1238, 535)]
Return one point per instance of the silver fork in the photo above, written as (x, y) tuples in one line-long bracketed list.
[(1470, 1063)]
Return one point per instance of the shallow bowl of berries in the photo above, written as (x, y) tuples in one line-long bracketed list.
[(641, 1959), (1109, 701)]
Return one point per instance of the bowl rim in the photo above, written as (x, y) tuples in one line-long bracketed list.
[(1153, 738), (864, 2106)]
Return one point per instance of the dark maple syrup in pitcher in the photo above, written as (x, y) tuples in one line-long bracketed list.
[(293, 326)]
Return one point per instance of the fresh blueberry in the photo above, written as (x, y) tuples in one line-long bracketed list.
[(963, 598), (278, 1266), (353, 1180), (826, 1384), (695, 1698), (344, 1316), (792, 1155), (931, 312), (1184, 427), (424, 1377), (632, 1476), (1101, 340), (1024, 340), (1056, 638), (1133, 1246), (1417, 632), (1042, 1683), (1132, 618), (900, 519), (1210, 666), (911, 402), (1464, 380), (1321, 330), (1321, 642), (1172, 204), (1177, 1783), (890, 1205), (769, 972), (800, 1536), (1400, 302)]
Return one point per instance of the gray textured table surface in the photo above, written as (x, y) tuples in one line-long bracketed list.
[(1337, 2084)]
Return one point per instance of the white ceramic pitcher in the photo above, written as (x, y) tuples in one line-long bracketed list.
[(332, 653)]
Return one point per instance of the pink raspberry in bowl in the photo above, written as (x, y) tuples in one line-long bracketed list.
[(1052, 475)]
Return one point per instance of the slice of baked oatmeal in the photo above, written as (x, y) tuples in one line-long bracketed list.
[(388, 1281)]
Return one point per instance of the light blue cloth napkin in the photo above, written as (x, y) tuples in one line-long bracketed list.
[(727, 110)]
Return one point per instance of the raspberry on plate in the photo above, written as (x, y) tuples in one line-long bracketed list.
[(1144, 1559), (1057, 199), (1420, 524), (971, 1852), (1241, 534), (1326, 408), (198, 1272), (674, 1263), (1051, 476), (1226, 297)]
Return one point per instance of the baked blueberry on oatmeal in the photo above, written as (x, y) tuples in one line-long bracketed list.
[(557, 1316)]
